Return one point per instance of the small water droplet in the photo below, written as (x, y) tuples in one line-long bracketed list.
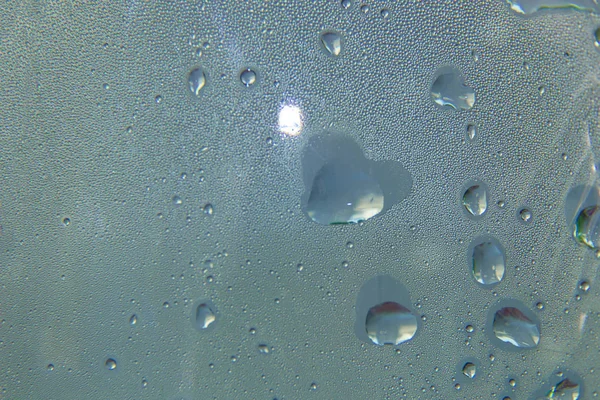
[(66, 221), (364, 8), (299, 267), (469, 370), (584, 285), (512, 382), (111, 364), (390, 323), (539, 305), (448, 89), (332, 42), (471, 131), (385, 13), (475, 200), (144, 383), (488, 263), (177, 201), (346, 3), (469, 328), (158, 99), (204, 316), (263, 349), (349, 245), (196, 80), (313, 386), (525, 215), (208, 209), (457, 386), (512, 326), (248, 77), (50, 367), (133, 320)]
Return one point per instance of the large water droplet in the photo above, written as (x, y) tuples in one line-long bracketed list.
[(475, 200), (332, 42), (390, 323), (512, 326), (343, 193), (469, 370), (448, 90), (204, 316), (196, 80), (587, 227), (532, 6), (488, 263), (565, 389)]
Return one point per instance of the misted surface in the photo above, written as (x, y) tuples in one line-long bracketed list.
[(300, 200)]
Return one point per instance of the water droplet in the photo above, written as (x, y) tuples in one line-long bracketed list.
[(346, 4), (50, 367), (597, 37), (457, 386), (343, 193), (196, 81), (208, 209), (177, 201), (248, 77), (530, 7), (539, 305), (111, 364), (332, 42), (385, 13), (512, 382), (471, 131), (587, 228), (448, 90), (488, 262), (525, 215), (66, 221), (469, 370), (144, 383), (133, 320), (584, 285), (512, 326), (263, 349), (313, 386), (469, 328), (475, 200), (158, 99), (204, 316), (349, 245), (566, 389), (390, 323), (364, 8)]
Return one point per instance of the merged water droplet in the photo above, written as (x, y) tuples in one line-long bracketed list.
[(204, 316), (512, 326), (469, 370), (196, 80), (475, 200), (487, 261), (390, 323), (332, 42), (448, 90)]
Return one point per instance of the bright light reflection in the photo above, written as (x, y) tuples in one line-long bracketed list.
[(290, 120)]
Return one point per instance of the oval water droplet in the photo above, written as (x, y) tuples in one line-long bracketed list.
[(487, 261), (196, 81), (475, 200), (390, 323), (332, 42), (587, 227), (448, 89), (471, 132), (512, 326), (204, 316)]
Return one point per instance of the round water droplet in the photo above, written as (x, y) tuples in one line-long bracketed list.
[(390, 323), (475, 200), (111, 364), (584, 285), (587, 227), (469, 328), (208, 209), (332, 42), (346, 3), (512, 326), (204, 316), (248, 77), (512, 382), (196, 80), (385, 13), (469, 370), (488, 262), (525, 215), (66, 221), (50, 367), (448, 90), (158, 99)]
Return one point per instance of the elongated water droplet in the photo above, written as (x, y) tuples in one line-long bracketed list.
[(488, 263), (196, 81), (475, 200)]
